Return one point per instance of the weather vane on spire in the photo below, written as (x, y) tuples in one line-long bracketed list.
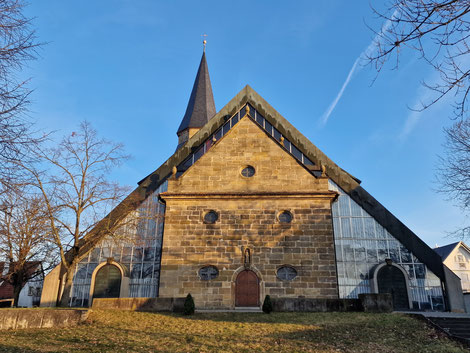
[(204, 42)]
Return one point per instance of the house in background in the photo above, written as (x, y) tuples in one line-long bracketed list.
[(30, 295), (456, 256)]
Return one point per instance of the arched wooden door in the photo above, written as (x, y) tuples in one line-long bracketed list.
[(107, 282), (390, 279), (247, 289)]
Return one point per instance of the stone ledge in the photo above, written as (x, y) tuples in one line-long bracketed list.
[(41, 318), (315, 304), (140, 304)]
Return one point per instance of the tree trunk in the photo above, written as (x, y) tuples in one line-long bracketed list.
[(65, 300), (16, 293)]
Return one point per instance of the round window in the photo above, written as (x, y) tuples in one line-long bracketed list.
[(286, 273), (248, 171), (207, 273), (285, 217), (211, 217)]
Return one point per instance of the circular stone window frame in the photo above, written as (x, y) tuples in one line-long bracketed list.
[(206, 266), (284, 212), (246, 167), (287, 266), (206, 213)]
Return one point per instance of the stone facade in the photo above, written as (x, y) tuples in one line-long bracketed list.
[(248, 209)]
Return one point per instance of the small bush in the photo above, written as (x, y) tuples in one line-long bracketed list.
[(267, 305), (188, 305)]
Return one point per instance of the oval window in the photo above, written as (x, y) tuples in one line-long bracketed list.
[(207, 273), (211, 217), (248, 171), (285, 217), (286, 273)]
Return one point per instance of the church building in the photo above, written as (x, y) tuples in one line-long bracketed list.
[(247, 207)]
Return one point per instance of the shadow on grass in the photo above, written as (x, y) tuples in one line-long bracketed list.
[(15, 349), (285, 317)]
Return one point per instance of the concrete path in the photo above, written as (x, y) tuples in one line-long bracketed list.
[(437, 314)]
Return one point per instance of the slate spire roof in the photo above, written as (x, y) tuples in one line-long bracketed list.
[(201, 106)]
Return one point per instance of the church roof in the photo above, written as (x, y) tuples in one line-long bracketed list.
[(201, 106), (343, 179)]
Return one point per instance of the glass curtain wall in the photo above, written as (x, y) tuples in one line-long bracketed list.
[(137, 248), (362, 244)]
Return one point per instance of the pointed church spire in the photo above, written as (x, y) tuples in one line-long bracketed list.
[(201, 106)]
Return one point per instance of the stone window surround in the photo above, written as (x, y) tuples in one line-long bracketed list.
[(375, 286), (287, 280), (285, 211)]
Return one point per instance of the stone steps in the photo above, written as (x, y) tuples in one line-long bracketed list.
[(459, 327)]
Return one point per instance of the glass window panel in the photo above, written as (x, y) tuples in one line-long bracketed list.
[(276, 134), (81, 272), (287, 144), (405, 254), (226, 127), (137, 254), (360, 251), (379, 231), (268, 127), (346, 227), (243, 112), (126, 254), (363, 272), (336, 227), (91, 267), (156, 272), (339, 254), (356, 210), (357, 230), (340, 269), (105, 253), (198, 154), (394, 251), (149, 254), (344, 209), (350, 272), (369, 228), (308, 161), (147, 270), (371, 251), (95, 254), (420, 271), (297, 154), (382, 250), (136, 271), (335, 209), (348, 252), (218, 134), (235, 120)]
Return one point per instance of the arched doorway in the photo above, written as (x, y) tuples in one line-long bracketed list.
[(390, 279), (247, 289), (107, 282)]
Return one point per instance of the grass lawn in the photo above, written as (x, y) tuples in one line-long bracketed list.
[(121, 331)]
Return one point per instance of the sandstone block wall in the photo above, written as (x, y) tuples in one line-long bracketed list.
[(248, 211)]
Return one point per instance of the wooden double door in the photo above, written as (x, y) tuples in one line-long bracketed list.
[(247, 289)]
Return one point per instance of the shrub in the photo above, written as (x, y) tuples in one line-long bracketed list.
[(267, 305), (188, 305)]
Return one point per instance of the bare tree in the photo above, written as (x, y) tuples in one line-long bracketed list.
[(24, 243), (17, 46), (440, 32), (453, 173), (73, 179)]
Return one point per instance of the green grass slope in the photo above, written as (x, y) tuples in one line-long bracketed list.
[(120, 331)]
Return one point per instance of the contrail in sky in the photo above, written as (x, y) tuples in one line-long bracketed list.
[(355, 68)]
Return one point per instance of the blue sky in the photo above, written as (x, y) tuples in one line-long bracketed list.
[(128, 68)]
